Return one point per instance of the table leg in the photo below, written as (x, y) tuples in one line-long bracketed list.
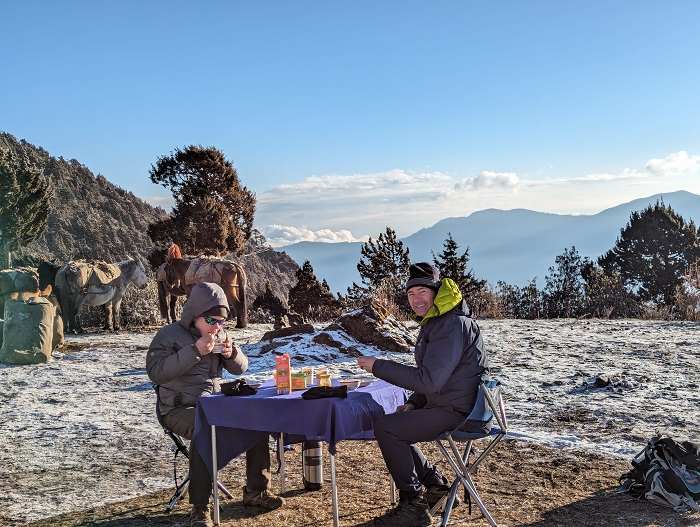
[(283, 464), (215, 475), (334, 490)]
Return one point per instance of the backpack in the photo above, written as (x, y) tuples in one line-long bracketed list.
[(666, 472)]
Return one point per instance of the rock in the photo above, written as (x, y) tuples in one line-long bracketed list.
[(374, 326), (281, 322), (327, 340), (601, 381), (286, 332), (267, 348)]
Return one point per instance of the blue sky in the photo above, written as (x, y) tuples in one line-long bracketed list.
[(346, 117)]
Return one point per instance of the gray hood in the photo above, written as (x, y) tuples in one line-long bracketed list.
[(203, 297)]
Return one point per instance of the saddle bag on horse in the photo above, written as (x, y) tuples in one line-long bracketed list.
[(94, 276)]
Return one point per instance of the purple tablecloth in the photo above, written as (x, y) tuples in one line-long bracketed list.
[(243, 421)]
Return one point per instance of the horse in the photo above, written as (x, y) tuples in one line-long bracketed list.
[(172, 283), (74, 290)]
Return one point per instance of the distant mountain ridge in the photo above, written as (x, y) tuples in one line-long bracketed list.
[(92, 218), (511, 245)]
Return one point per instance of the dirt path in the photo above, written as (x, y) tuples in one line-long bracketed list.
[(523, 485)]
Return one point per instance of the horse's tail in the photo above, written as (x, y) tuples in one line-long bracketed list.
[(163, 300), (174, 253), (242, 315)]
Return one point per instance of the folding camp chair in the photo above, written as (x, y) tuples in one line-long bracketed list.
[(180, 448), (477, 425)]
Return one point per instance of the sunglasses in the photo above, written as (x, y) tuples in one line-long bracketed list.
[(214, 321)]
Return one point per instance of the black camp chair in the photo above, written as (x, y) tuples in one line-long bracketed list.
[(477, 425), (180, 448)]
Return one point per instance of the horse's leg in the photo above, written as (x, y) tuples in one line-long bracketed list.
[(77, 304), (116, 308), (108, 316), (173, 305)]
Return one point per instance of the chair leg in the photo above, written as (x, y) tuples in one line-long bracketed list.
[(224, 490), (466, 480), (179, 493)]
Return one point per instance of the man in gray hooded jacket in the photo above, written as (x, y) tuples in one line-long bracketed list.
[(450, 358), (182, 361)]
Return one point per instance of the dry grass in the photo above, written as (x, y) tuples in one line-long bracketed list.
[(523, 485)]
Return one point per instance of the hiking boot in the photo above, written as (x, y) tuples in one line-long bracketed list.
[(411, 512), (263, 499), (200, 516), (434, 493)]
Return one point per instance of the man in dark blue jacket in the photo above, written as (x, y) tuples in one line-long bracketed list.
[(450, 359)]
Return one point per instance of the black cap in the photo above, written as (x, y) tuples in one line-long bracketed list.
[(424, 274)]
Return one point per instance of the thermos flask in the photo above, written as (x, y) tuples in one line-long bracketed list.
[(312, 465)]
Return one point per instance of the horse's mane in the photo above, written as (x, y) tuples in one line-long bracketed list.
[(174, 253)]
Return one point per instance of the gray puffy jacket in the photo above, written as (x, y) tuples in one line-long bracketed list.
[(450, 359), (173, 361)]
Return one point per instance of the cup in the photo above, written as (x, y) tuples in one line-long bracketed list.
[(219, 340)]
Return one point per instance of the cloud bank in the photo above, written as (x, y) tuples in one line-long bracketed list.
[(278, 235)]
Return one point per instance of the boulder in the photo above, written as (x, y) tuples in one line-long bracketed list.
[(286, 332), (375, 326), (328, 340)]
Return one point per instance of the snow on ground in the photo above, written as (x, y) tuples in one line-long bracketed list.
[(81, 431)]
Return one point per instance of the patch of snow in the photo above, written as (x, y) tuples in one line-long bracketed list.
[(80, 431)]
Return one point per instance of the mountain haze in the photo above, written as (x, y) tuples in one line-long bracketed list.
[(511, 245)]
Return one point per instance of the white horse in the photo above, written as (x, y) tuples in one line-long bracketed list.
[(72, 294)]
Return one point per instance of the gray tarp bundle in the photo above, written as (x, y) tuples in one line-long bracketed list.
[(28, 331)]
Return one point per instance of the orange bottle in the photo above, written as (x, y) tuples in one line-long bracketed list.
[(283, 373)]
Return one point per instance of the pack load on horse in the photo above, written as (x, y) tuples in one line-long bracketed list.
[(96, 283), (31, 326), (177, 275)]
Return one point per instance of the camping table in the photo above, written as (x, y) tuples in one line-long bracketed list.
[(226, 427)]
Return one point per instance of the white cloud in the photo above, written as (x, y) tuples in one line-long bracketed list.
[(627, 173), (278, 235), (678, 163), (490, 180), (164, 202)]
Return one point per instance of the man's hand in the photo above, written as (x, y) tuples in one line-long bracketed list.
[(405, 408), (205, 344), (229, 349), (366, 363)]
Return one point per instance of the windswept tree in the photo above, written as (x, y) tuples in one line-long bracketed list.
[(383, 261), (452, 264), (563, 294), (311, 298), (653, 252), (25, 194), (213, 212)]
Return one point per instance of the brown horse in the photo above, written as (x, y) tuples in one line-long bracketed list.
[(174, 280)]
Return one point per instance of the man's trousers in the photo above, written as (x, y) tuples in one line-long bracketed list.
[(257, 459)]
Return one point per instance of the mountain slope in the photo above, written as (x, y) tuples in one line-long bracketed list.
[(93, 218), (510, 245)]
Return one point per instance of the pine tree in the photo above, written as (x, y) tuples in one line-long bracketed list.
[(606, 295), (25, 194), (652, 252), (530, 301), (383, 260), (453, 265), (311, 298), (213, 212), (563, 292)]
